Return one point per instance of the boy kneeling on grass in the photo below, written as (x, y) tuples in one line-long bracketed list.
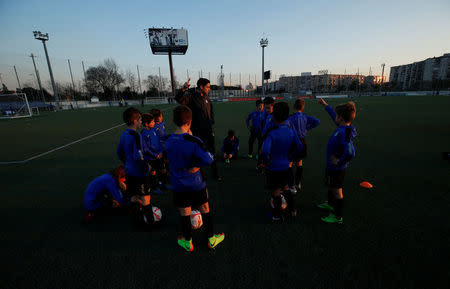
[(230, 147), (186, 154), (104, 194)]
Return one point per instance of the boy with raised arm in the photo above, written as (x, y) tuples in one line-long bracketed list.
[(340, 151)]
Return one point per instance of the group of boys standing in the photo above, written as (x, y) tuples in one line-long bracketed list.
[(282, 144), (190, 147)]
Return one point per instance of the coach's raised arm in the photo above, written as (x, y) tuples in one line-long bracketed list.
[(202, 114)]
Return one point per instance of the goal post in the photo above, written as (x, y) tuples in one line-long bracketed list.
[(14, 106)]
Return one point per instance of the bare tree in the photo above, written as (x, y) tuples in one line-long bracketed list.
[(153, 82), (131, 80), (105, 77)]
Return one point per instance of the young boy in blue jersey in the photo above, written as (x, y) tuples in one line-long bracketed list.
[(152, 148), (255, 117), (131, 152), (230, 147), (266, 123), (280, 147), (340, 151), (104, 193), (186, 155), (300, 123), (160, 128)]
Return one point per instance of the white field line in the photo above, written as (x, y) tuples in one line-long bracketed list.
[(61, 147), (66, 145)]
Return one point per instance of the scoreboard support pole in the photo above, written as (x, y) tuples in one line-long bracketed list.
[(172, 80)]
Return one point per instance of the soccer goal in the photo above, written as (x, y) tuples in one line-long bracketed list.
[(14, 106)]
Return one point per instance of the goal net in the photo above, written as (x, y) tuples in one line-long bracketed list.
[(14, 106)]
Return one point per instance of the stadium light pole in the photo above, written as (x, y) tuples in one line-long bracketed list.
[(263, 43), (44, 37)]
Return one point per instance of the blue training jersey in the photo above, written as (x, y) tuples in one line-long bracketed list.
[(184, 152), (130, 151), (256, 117), (161, 131), (340, 144), (230, 146), (280, 147), (301, 123), (93, 196), (267, 124), (152, 145)]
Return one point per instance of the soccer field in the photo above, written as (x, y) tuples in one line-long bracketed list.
[(395, 235)]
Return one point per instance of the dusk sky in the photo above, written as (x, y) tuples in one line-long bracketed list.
[(304, 36)]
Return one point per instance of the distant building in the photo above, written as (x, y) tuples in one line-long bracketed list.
[(326, 82), (421, 75)]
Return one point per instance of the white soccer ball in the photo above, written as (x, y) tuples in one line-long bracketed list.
[(196, 219), (157, 214), (283, 203)]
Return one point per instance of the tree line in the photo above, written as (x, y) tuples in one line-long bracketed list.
[(106, 81)]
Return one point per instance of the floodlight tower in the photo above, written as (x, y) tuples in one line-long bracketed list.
[(44, 37), (263, 43)]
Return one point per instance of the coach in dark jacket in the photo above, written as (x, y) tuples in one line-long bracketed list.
[(202, 115)]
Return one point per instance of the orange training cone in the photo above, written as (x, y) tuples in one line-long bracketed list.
[(366, 185)]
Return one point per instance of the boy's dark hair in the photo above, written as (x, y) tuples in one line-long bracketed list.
[(118, 172), (299, 104), (347, 111), (269, 100), (231, 133), (130, 114), (258, 102), (155, 112), (182, 115), (147, 117), (280, 111), (202, 82)]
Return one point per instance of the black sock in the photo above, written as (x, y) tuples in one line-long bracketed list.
[(298, 174), (148, 212), (214, 171), (338, 207), (330, 198), (291, 177), (276, 211), (208, 223), (186, 229), (290, 201)]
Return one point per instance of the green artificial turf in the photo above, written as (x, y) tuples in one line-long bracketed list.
[(395, 235)]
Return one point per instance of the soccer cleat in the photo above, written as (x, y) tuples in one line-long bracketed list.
[(293, 190), (294, 213), (325, 206), (331, 218), (249, 156), (299, 186), (215, 240), (185, 244), (88, 218)]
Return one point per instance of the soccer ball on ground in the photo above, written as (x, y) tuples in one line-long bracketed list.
[(196, 219), (157, 214)]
